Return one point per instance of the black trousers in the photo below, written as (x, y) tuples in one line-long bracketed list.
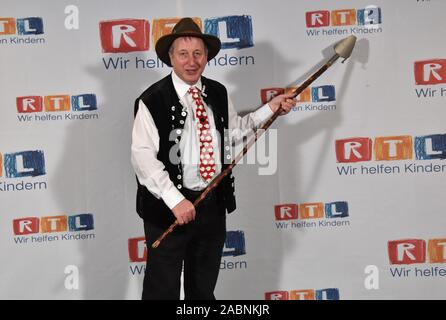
[(198, 245)]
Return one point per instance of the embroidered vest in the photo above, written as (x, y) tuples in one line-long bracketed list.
[(169, 116)]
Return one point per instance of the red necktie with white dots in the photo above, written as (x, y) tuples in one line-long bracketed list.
[(207, 161)]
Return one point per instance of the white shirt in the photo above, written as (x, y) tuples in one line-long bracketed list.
[(145, 144)]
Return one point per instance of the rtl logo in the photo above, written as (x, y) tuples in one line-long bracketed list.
[(315, 210), (234, 244), (62, 223), (312, 94), (137, 249), (55, 103), (129, 35), (391, 148), (308, 294), (125, 35), (430, 72), (410, 251), (21, 26), (22, 164), (345, 17)]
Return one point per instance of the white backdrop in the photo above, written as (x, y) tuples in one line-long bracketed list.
[(350, 208)]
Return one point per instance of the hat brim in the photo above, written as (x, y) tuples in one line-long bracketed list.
[(163, 44)]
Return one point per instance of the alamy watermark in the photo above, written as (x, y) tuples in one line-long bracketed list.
[(263, 153)]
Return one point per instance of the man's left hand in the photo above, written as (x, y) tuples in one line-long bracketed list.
[(284, 101)]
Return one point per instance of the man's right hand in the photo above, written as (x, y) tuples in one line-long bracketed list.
[(184, 212)]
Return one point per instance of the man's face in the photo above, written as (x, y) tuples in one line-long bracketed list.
[(188, 57)]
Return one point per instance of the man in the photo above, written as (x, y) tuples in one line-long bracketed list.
[(176, 152)]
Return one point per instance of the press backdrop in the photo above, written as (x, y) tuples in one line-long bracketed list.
[(343, 199)]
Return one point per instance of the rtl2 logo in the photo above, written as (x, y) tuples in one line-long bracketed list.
[(129, 35), (62, 223), (391, 148), (346, 17), (54, 103), (21, 26), (430, 72), (22, 164), (312, 94), (308, 294), (410, 251)]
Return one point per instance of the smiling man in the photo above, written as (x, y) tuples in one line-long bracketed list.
[(176, 153)]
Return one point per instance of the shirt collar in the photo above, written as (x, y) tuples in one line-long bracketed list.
[(181, 87)]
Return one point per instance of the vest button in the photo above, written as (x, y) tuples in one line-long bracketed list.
[(179, 186)]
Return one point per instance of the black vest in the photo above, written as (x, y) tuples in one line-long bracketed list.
[(169, 116)]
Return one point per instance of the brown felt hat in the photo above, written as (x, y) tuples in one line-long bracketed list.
[(186, 27)]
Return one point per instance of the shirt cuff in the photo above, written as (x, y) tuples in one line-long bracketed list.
[(262, 114), (172, 197)]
